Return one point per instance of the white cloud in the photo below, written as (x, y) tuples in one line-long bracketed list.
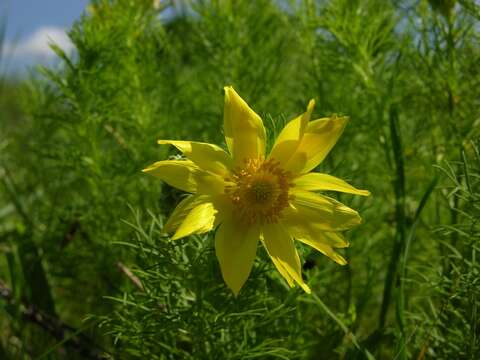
[(36, 47)]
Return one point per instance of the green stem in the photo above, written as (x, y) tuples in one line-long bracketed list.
[(399, 240), (344, 327), (400, 308)]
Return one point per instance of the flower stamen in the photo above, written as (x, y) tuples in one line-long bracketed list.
[(259, 191)]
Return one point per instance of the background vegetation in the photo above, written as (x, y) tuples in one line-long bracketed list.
[(84, 270)]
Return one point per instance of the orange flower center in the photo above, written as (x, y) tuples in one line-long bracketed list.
[(259, 191)]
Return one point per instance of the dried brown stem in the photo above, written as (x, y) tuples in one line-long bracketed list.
[(54, 326)]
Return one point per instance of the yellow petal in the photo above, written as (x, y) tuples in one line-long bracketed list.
[(327, 250), (207, 156), (320, 212), (283, 271), (186, 176), (333, 239), (305, 229), (182, 210), (236, 247), (221, 204), (317, 141), (280, 247), (317, 181), (279, 266), (291, 135), (244, 131), (198, 221)]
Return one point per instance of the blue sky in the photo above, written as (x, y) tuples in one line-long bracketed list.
[(32, 24)]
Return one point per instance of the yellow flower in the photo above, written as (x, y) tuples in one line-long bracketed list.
[(251, 196)]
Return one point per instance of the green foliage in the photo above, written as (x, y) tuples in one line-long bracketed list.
[(174, 310), (81, 239), (448, 317)]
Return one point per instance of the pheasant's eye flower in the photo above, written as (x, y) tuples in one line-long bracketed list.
[(252, 197)]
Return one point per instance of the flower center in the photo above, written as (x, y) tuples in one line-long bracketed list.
[(259, 191)]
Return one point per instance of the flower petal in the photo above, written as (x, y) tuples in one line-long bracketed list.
[(317, 181), (311, 231), (310, 210), (317, 141), (207, 156), (186, 176), (198, 221), (244, 131), (283, 271), (291, 136), (279, 266), (191, 206), (182, 210), (280, 247), (236, 247), (327, 250)]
